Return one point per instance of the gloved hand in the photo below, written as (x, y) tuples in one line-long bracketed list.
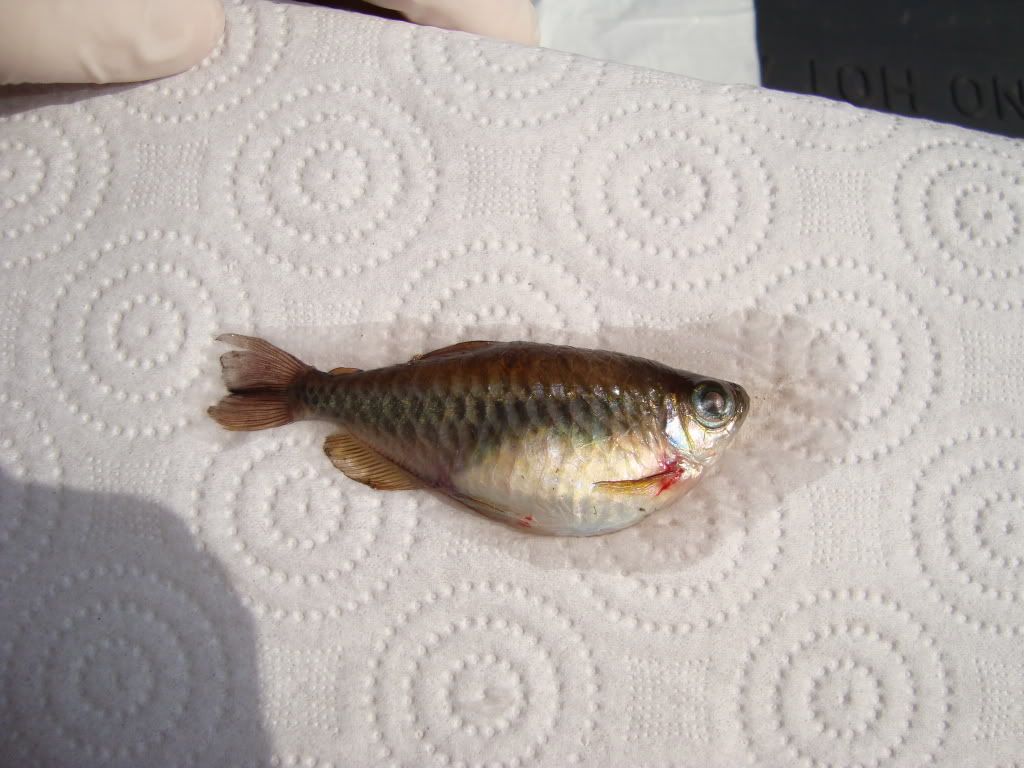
[(110, 41), (513, 20), (104, 41)]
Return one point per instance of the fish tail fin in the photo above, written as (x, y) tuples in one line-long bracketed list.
[(260, 378)]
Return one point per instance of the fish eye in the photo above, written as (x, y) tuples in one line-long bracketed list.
[(713, 404)]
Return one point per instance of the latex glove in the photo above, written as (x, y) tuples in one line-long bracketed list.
[(111, 41), (104, 41), (513, 20)]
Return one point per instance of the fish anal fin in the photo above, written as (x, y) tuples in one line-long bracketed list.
[(454, 349), (342, 371), (652, 485), (365, 465)]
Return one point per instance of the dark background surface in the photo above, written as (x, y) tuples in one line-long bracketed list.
[(956, 61)]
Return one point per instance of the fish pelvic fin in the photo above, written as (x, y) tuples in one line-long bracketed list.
[(365, 465), (260, 378), (484, 508)]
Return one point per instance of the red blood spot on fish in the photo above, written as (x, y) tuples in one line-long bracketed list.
[(673, 474), (526, 522)]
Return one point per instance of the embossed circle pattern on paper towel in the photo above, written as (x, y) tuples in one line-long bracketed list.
[(499, 84), (967, 520), (819, 124), (332, 180), (499, 284), (255, 35), (303, 540), (868, 334), (128, 334), (667, 197), (291, 760), (483, 675), (960, 206), (713, 553), (844, 678), (30, 478), (106, 665), (54, 169)]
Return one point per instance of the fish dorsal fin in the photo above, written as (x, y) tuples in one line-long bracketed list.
[(364, 465), (343, 371), (454, 349)]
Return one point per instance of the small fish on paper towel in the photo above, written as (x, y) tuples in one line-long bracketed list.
[(553, 439)]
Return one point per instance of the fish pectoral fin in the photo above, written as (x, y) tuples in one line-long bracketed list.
[(364, 465), (453, 349), (342, 371), (651, 485)]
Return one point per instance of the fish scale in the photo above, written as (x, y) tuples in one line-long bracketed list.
[(376, 398)]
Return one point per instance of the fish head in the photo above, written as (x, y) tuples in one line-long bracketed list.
[(703, 416)]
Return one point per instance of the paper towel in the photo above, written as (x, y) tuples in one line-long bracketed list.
[(848, 592)]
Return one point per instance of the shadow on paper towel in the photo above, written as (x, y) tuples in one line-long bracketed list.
[(802, 422), (121, 642)]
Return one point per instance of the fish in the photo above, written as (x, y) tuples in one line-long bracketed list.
[(549, 439)]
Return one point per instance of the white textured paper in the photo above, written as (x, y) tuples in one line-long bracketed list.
[(359, 191)]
